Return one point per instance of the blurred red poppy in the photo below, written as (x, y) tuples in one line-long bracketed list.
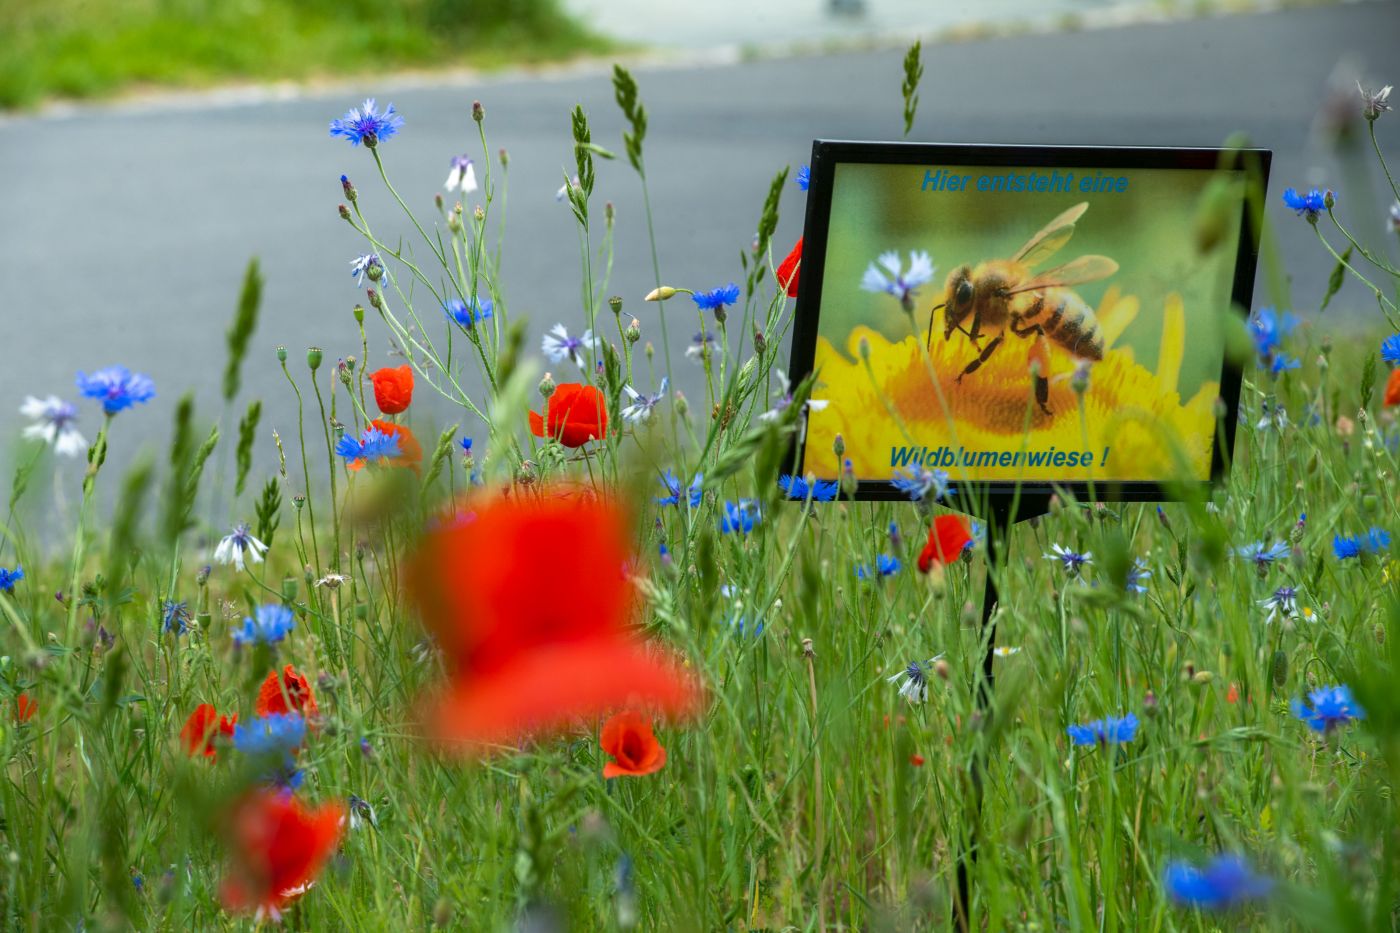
[(946, 540), (291, 695), (277, 847), (25, 708), (628, 738), (393, 388), (1392, 388), (790, 271), (576, 414), (203, 727), (530, 604)]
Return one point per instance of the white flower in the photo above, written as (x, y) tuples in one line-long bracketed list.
[(463, 175), (885, 275), (557, 345), (1005, 651), (642, 405), (785, 399), (914, 685), (702, 346), (241, 543), (54, 424)]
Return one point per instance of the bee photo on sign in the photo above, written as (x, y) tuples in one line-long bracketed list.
[(1018, 324)]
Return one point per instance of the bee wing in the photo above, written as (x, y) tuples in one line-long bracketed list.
[(1050, 237), (1076, 272)]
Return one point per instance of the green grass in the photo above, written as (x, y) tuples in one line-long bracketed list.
[(77, 49)]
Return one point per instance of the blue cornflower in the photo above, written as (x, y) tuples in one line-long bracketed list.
[(1307, 205), (913, 680), (1390, 349), (8, 578), (468, 314), (116, 387), (885, 275), (371, 446), (1225, 881), (466, 443), (717, 298), (273, 733), (702, 346), (1267, 328), (1283, 601), (819, 490), (1262, 553), (740, 516), (1106, 731), (175, 617), (918, 483), (268, 625), (365, 125), (672, 483), (1282, 363), (366, 265), (1137, 573), (885, 566), (1349, 546), (804, 177), (1072, 561), (1331, 708)]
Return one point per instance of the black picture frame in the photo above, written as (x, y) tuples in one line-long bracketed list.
[(1029, 497)]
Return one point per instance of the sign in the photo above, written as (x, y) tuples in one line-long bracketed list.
[(1023, 318)]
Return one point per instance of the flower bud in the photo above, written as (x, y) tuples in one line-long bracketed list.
[(1079, 379), (438, 201), (375, 301), (281, 354), (864, 349), (721, 315), (547, 385), (478, 111), (634, 331), (505, 158), (660, 294), (202, 577), (838, 445), (760, 342), (350, 194), (682, 406), (298, 502), (1202, 677), (344, 212), (479, 214), (359, 313), (1149, 704), (615, 302), (940, 667), (1329, 199), (609, 212), (313, 358)]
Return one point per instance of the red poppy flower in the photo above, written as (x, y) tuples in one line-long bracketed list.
[(393, 388), (25, 708), (203, 727), (916, 760), (529, 602), (628, 738), (292, 695), (946, 540), (576, 414), (1392, 388), (277, 847), (790, 271)]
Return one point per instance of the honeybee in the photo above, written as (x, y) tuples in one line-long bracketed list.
[(1003, 294)]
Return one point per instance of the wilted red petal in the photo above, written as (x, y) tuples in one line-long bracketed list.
[(393, 388), (274, 697), (790, 271), (277, 848), (946, 540), (628, 737)]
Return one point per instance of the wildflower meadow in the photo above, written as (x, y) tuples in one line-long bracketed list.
[(585, 655)]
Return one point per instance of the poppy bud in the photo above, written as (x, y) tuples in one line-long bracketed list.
[(478, 111), (313, 358), (359, 313), (547, 385), (660, 294), (349, 189), (281, 354)]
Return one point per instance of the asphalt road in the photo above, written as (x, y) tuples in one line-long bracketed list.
[(126, 229)]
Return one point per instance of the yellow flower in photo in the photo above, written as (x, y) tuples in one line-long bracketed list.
[(1135, 416)]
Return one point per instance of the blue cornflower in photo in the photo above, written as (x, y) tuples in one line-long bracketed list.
[(274, 733), (1225, 881), (365, 125), (885, 566), (468, 314), (1106, 731), (1071, 561), (1390, 349), (117, 388), (268, 625), (886, 276), (804, 177), (673, 487), (741, 516), (717, 298), (819, 490), (1332, 707), (919, 483), (372, 445), (1306, 205), (1262, 553), (175, 617), (8, 578)]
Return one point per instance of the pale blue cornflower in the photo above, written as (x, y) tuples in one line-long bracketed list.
[(1262, 553), (913, 680), (468, 313), (557, 345), (886, 275), (1137, 573), (268, 625), (1272, 415), (1332, 708), (1072, 561), (673, 486), (238, 545), (365, 125), (920, 483), (1107, 731), (462, 177), (366, 265), (742, 516), (117, 388), (1282, 602), (175, 618), (641, 405), (702, 346), (54, 424), (1224, 882)]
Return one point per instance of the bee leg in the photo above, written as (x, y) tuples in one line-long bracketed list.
[(1042, 392), (986, 352)]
